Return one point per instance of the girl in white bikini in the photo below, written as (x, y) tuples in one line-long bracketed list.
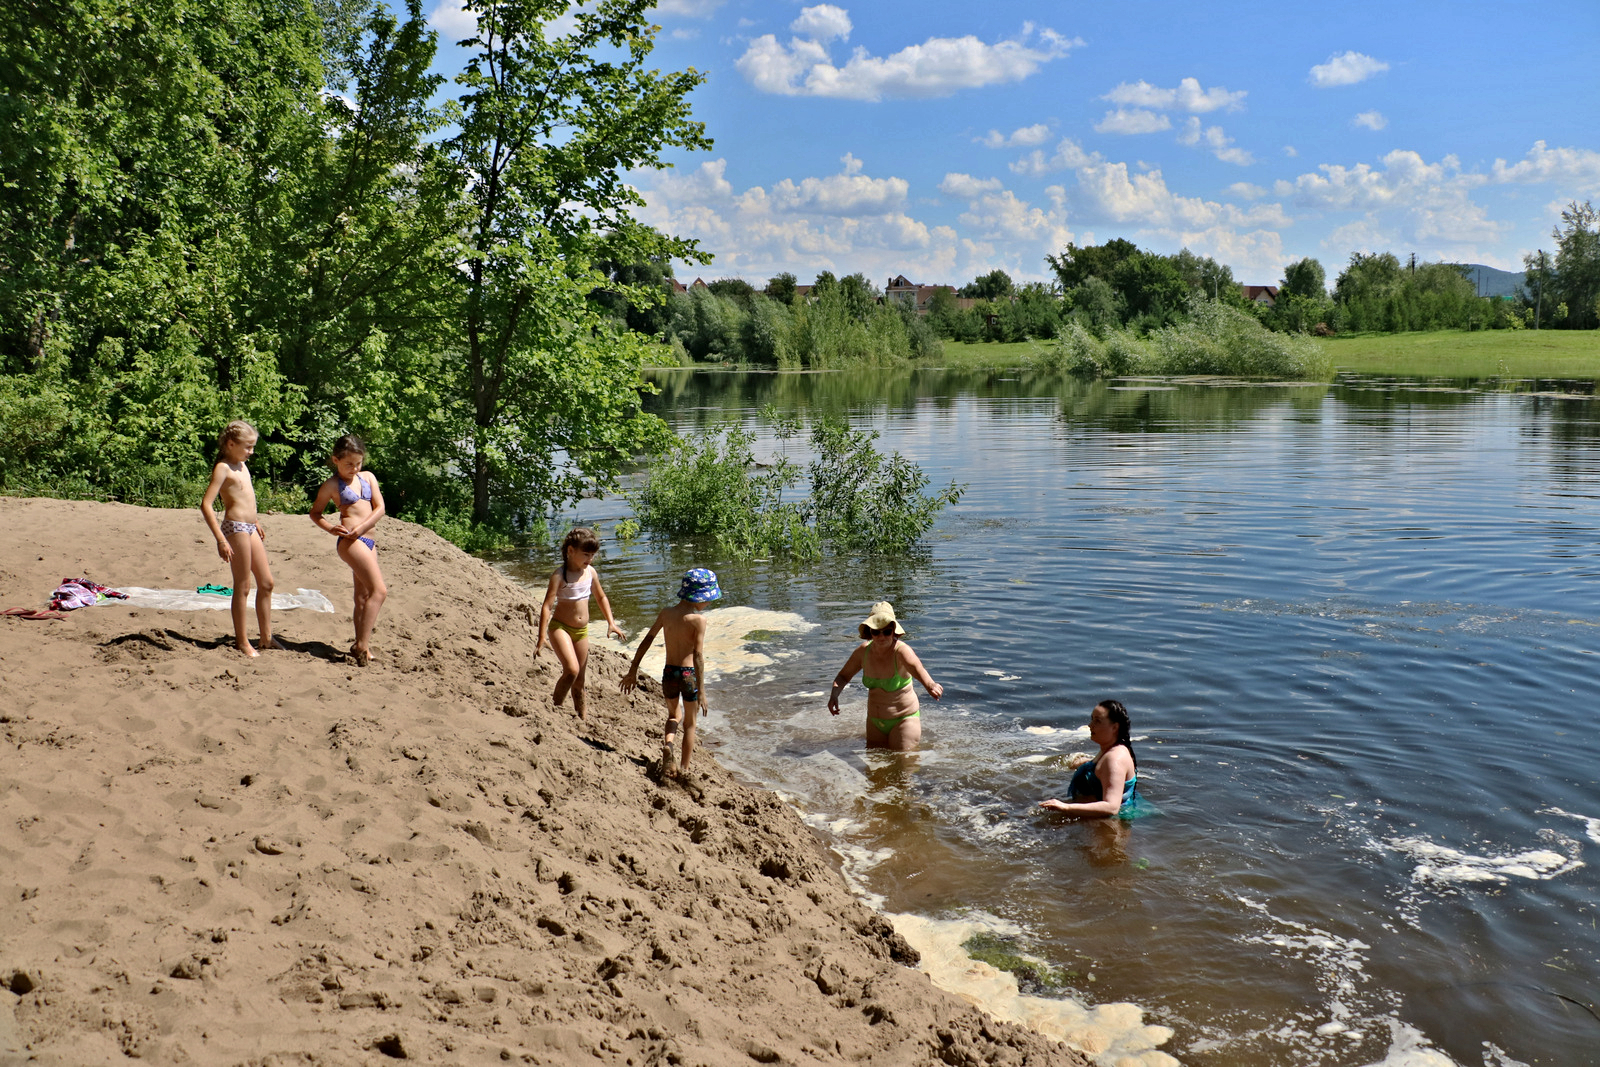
[(240, 540), (564, 615), (887, 667), (360, 504)]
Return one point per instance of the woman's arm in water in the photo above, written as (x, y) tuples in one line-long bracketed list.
[(842, 679), (1112, 786), (919, 672)]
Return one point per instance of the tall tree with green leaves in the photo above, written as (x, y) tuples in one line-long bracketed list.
[(551, 121), (1578, 264)]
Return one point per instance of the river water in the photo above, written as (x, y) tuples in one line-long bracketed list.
[(1356, 627)]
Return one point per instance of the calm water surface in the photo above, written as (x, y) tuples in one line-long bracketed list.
[(1356, 627)]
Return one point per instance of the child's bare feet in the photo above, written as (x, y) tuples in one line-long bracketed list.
[(361, 656), (669, 751), (247, 650), (271, 644)]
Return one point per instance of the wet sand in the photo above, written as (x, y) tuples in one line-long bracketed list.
[(293, 860)]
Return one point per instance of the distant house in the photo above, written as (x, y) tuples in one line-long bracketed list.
[(905, 292), (677, 286), (1266, 295), (698, 283)]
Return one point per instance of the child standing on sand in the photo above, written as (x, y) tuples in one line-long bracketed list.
[(685, 635), (360, 504), (564, 615), (240, 540)]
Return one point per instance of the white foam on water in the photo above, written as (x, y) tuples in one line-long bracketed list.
[(1591, 825), (1409, 1048), (1054, 731), (1439, 863), (726, 649), (1113, 1035)]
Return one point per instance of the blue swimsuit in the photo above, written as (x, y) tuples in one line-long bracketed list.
[(1085, 785), (349, 494)]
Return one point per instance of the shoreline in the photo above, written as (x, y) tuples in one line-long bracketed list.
[(291, 859)]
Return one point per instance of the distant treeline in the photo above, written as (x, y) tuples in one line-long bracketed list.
[(1099, 290)]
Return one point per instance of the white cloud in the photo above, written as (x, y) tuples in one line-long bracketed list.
[(847, 193), (1188, 96), (842, 222), (1133, 120), (1346, 68), (1247, 191), (966, 187), (1573, 168), (1407, 200), (937, 67), (1069, 155), (995, 214), (1145, 199), (452, 22), (1291, 151), (1025, 137), (1216, 140), (1372, 120), (704, 184), (823, 23)]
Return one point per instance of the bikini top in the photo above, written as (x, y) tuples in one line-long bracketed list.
[(1085, 784), (349, 493), (578, 590), (888, 685)]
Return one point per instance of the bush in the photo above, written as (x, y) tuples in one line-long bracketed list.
[(709, 484), (1216, 339)]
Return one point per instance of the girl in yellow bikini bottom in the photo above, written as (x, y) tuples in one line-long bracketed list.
[(578, 633)]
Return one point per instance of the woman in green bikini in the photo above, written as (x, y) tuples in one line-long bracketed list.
[(887, 667)]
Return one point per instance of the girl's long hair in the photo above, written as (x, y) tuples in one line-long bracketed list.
[(582, 538), (1118, 714)]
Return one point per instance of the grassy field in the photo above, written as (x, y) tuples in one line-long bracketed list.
[(1439, 354), (959, 356), (1484, 354)]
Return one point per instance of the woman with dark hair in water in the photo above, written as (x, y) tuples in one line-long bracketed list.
[(1109, 783)]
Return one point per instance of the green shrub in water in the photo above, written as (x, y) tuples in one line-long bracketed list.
[(1215, 339), (709, 484)]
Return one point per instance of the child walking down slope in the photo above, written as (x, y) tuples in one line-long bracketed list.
[(684, 631)]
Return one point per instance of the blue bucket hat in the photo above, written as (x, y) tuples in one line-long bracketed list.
[(699, 585)]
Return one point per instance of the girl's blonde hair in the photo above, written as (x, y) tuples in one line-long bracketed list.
[(237, 430)]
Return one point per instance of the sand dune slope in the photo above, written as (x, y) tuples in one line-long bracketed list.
[(291, 860)]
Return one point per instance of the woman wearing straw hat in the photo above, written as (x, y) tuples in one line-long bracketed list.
[(887, 667)]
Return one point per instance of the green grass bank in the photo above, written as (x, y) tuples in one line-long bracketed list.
[(1435, 354), (1481, 354)]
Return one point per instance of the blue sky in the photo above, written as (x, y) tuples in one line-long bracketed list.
[(942, 140)]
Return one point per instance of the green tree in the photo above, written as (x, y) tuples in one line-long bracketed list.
[(996, 285), (549, 127), (1152, 291), (781, 287), (1206, 277), (1076, 265), (1305, 278), (1578, 264)]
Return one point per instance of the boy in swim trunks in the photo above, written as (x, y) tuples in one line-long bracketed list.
[(684, 631)]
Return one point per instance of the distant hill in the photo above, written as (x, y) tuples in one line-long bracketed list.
[(1494, 282)]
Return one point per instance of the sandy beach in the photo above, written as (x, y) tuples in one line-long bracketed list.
[(211, 859)]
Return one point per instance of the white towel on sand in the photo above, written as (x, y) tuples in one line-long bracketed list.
[(189, 600)]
